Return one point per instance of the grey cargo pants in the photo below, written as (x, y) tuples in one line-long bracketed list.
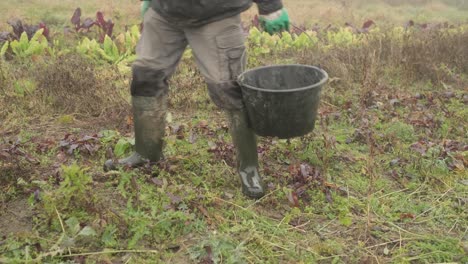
[(218, 49)]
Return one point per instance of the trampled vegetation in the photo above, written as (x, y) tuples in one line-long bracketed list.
[(382, 179)]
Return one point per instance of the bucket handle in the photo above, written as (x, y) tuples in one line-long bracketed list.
[(243, 62)]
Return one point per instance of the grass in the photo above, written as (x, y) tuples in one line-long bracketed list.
[(381, 179)]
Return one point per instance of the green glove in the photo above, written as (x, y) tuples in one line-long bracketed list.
[(144, 7), (275, 22)]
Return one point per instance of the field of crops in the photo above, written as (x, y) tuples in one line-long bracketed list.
[(381, 179)]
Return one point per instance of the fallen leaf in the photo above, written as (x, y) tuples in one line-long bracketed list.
[(157, 181), (174, 198), (292, 198), (406, 216)]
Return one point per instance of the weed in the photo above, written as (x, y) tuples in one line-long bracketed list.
[(400, 131), (219, 248), (73, 192), (26, 48)]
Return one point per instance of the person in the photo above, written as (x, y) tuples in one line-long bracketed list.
[(213, 30)]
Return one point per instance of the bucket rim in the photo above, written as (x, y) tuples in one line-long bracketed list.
[(315, 85)]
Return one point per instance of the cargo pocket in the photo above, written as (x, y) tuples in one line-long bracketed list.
[(237, 60), (231, 49)]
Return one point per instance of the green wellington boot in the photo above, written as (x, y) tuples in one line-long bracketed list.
[(149, 116), (245, 143)]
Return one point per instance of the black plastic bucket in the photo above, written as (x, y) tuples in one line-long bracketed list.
[(282, 100)]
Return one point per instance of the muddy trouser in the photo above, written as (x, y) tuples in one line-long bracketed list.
[(218, 49)]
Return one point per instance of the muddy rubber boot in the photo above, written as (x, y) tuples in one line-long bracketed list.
[(149, 116), (245, 143)]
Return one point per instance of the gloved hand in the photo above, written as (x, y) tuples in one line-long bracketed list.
[(144, 7), (275, 22)]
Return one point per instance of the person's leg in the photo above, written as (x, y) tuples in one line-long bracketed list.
[(219, 50), (158, 53)]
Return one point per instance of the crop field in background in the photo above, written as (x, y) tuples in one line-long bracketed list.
[(381, 179), (124, 12)]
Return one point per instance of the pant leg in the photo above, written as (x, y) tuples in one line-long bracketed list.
[(159, 51), (219, 50)]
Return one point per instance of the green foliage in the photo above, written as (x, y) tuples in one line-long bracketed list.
[(58, 49), (401, 131), (73, 191), (107, 136), (24, 87), (263, 43), (66, 119), (344, 37), (171, 224), (219, 248), (111, 52), (305, 40), (124, 185), (436, 251), (109, 236), (91, 49), (75, 230), (4, 49), (139, 228), (25, 48), (75, 181), (115, 52), (14, 251), (106, 52), (128, 41), (122, 146)]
